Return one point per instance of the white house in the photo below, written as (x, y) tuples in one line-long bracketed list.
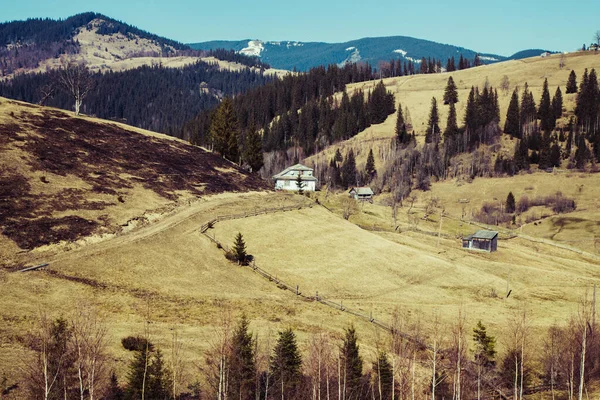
[(288, 178)]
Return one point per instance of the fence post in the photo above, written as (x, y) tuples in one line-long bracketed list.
[(297, 291)]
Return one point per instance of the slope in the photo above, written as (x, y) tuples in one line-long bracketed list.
[(65, 177)]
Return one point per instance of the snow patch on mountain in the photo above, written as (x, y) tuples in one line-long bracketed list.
[(413, 60), (351, 48), (254, 48), (488, 58), (352, 58), (294, 44), (403, 53)]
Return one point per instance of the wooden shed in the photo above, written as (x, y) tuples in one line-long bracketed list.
[(482, 240), (362, 193)]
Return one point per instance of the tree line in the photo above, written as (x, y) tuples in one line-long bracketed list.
[(151, 97), (419, 358)]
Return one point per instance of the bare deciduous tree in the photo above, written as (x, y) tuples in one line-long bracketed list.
[(349, 207), (75, 79), (597, 37), (505, 84), (90, 347)]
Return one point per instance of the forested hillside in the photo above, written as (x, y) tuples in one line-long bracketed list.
[(156, 98)]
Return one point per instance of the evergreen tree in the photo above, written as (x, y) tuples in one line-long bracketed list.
[(253, 154), (239, 249), (158, 379), (433, 128), (338, 156), (582, 153), (370, 166), (114, 391), (545, 111), (510, 208), (521, 156), (572, 83), (451, 130), (588, 103), (286, 363), (242, 371), (569, 145), (450, 93), (485, 344), (555, 155), (137, 376), (401, 135), (528, 110), (471, 113), (477, 61), (383, 376), (512, 126), (557, 103), (300, 184), (544, 161), (450, 65), (352, 363), (224, 131), (348, 171)]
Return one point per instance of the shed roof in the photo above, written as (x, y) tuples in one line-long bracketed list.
[(297, 167), (483, 234), (362, 191)]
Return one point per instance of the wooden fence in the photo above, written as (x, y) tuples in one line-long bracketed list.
[(295, 289)]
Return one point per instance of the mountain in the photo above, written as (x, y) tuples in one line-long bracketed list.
[(305, 55), (103, 43)]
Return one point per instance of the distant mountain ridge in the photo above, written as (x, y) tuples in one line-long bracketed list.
[(305, 55)]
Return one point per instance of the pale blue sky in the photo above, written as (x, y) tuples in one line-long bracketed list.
[(500, 27)]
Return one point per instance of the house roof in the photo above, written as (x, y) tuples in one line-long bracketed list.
[(297, 167), (362, 191), (482, 234)]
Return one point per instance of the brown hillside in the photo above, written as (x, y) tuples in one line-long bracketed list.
[(65, 177)]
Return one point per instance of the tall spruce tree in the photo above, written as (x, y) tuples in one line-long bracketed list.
[(471, 113), (450, 93), (582, 153), (239, 249), (572, 83), (512, 126), (433, 127), (253, 154), (545, 111), (510, 207), (383, 375), (242, 373), (352, 363), (348, 171), (286, 364), (402, 135), (557, 103), (521, 156), (225, 132), (451, 130), (528, 110), (370, 166)]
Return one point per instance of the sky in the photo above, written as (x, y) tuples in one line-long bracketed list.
[(498, 27)]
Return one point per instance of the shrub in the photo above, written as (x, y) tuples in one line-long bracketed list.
[(136, 343), (522, 205)]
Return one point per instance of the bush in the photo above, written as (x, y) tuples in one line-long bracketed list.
[(136, 343)]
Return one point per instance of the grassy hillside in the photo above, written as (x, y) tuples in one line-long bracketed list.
[(415, 93), (66, 177)]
